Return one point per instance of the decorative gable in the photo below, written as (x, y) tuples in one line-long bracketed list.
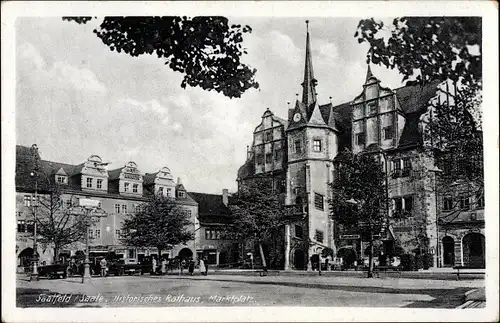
[(94, 175), (130, 180)]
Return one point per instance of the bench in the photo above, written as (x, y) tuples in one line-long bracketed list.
[(395, 269), (467, 271)]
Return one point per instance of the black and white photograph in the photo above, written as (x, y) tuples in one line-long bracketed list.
[(250, 157)]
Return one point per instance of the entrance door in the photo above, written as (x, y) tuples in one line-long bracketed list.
[(298, 259), (448, 251), (473, 250)]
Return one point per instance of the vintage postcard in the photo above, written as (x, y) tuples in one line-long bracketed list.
[(249, 161)]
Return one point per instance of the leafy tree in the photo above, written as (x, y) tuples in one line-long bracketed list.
[(57, 226), (207, 50), (359, 197), (160, 223), (258, 213), (426, 48)]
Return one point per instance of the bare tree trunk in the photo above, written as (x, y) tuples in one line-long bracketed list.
[(370, 256), (264, 264), (56, 254)]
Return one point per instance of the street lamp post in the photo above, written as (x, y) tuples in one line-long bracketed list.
[(34, 174), (436, 171)]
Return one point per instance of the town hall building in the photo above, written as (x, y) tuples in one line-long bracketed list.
[(300, 154)]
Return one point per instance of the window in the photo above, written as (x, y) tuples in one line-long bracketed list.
[(403, 205), (99, 204), (260, 159), (99, 183), (118, 233), (27, 200), (169, 192), (124, 208), (89, 182), (299, 232), (408, 203), (298, 146), (317, 145), (479, 200), (448, 203), (372, 108), (319, 236), (269, 158), (398, 205), (117, 208), (126, 187), (277, 155), (97, 233), (30, 226), (208, 234), (21, 226), (387, 133), (181, 194), (269, 136), (135, 188), (160, 190), (61, 179), (360, 138), (464, 202), (318, 201), (91, 234), (396, 164), (137, 208)]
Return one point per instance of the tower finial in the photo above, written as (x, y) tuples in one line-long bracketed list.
[(307, 25), (369, 73)]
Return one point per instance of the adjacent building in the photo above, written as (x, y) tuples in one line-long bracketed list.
[(119, 191), (301, 155)]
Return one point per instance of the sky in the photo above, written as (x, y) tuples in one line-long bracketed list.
[(76, 98)]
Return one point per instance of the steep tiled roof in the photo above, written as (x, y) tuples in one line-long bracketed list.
[(211, 209), (247, 169), (114, 173), (414, 98)]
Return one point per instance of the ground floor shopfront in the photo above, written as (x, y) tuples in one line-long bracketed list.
[(462, 247)]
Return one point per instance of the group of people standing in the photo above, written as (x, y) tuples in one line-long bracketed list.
[(164, 265)]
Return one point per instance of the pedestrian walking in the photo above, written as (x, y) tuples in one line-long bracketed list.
[(104, 266), (154, 265), (164, 266), (191, 267), (203, 269), (182, 265)]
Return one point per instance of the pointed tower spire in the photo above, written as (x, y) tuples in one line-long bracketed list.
[(368, 73), (309, 84)]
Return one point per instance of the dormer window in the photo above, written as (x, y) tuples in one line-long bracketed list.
[(89, 182), (99, 183), (126, 187), (60, 179), (169, 192), (181, 194), (135, 188), (160, 190)]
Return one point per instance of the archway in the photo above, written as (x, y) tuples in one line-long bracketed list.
[(473, 250), (298, 259), (25, 257), (448, 251), (185, 253)]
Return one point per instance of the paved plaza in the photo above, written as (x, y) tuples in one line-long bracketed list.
[(239, 290)]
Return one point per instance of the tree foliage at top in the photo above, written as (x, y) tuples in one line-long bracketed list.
[(207, 50), (257, 211), (426, 48), (359, 178), (159, 223)]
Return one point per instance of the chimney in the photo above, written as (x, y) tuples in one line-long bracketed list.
[(179, 181), (224, 197)]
